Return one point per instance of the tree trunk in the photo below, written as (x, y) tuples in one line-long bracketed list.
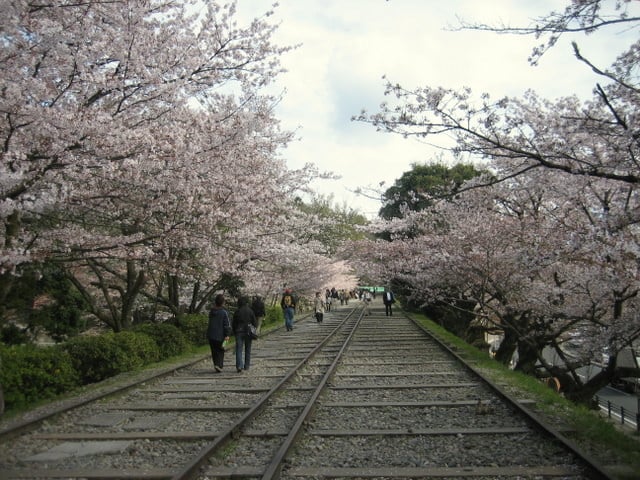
[(584, 393), (173, 294), (118, 314), (528, 355), (505, 352), (195, 292), (134, 283), (11, 231)]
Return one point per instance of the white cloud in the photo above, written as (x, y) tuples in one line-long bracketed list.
[(348, 45)]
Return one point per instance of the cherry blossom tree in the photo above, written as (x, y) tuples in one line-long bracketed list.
[(522, 258), (596, 138), (546, 248), (139, 150), (304, 258)]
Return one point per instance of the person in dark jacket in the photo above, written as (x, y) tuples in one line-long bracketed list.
[(259, 311), (218, 332), (388, 299), (242, 317)]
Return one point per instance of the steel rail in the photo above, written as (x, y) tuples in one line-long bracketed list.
[(191, 469), (273, 469), (275, 466), (596, 470), (14, 429), (11, 429), (39, 415)]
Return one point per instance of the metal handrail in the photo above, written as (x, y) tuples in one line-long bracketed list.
[(618, 411)]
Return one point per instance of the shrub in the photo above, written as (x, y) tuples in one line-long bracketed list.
[(97, 358), (194, 327), (170, 340), (30, 374), (11, 334), (63, 315), (139, 347), (273, 315)]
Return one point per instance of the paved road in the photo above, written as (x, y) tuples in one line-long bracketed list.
[(618, 398)]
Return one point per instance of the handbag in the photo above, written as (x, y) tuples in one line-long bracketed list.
[(251, 331)]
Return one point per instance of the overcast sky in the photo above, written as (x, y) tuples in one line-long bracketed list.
[(347, 46)]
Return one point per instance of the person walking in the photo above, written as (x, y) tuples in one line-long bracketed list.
[(388, 299), (242, 317), (327, 301), (259, 311), (318, 307), (218, 332), (288, 304), (334, 296), (366, 300)]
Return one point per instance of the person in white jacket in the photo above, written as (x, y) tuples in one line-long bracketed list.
[(366, 301), (319, 307)]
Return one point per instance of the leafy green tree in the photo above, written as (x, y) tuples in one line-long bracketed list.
[(333, 224), (415, 189), (64, 313), (43, 299)]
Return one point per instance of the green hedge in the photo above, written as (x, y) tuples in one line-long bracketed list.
[(30, 374), (97, 358), (170, 340), (140, 347), (194, 327)]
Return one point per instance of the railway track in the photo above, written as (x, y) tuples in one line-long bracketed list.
[(353, 397)]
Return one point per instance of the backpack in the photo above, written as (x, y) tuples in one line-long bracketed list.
[(288, 301)]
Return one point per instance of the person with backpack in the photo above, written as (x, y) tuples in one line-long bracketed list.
[(218, 332), (288, 304)]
